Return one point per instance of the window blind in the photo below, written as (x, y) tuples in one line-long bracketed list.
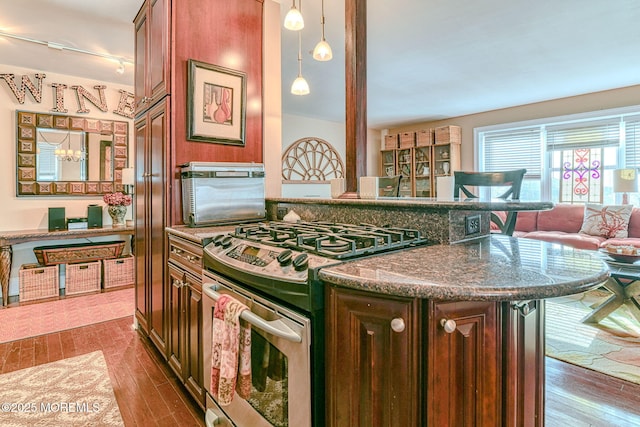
[(632, 144), (583, 135), (513, 149)]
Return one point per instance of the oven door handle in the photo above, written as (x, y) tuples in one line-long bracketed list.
[(273, 327)]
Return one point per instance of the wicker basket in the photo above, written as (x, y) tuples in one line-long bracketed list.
[(118, 272), (83, 277), (390, 142), (424, 137), (448, 134), (407, 139), (38, 282)]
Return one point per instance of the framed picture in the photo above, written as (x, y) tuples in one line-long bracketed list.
[(215, 104)]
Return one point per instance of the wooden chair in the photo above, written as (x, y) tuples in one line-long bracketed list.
[(511, 179), (389, 186)]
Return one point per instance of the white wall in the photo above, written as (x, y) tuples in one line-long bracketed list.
[(272, 105), (26, 213), (297, 127)]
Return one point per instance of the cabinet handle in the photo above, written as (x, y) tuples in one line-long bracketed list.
[(448, 325), (397, 324), (145, 99), (176, 251), (178, 283)]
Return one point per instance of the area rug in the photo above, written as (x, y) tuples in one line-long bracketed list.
[(611, 346), (70, 392), (53, 316)]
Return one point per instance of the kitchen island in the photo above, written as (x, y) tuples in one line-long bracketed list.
[(446, 335), (440, 221)]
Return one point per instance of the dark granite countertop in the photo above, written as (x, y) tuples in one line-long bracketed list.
[(495, 268)]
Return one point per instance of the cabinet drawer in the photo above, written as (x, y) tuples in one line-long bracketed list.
[(186, 254)]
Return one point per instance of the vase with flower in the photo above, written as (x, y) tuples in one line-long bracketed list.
[(117, 207)]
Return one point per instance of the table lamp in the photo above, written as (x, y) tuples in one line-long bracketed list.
[(128, 179), (625, 181)]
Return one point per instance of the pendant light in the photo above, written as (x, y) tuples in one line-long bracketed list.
[(322, 51), (300, 85), (294, 21)]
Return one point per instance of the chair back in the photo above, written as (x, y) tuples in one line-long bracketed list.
[(389, 186), (511, 179)]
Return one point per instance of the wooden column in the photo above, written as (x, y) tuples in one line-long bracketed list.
[(356, 92)]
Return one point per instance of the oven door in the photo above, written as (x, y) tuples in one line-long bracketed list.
[(280, 361)]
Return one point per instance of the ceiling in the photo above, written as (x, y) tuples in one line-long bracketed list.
[(426, 59)]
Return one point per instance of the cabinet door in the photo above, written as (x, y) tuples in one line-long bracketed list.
[(463, 378), (141, 236), (372, 354), (151, 54), (405, 167), (151, 213), (422, 162), (175, 319), (194, 378), (157, 207)]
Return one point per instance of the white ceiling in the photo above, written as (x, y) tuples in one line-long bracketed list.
[(426, 59)]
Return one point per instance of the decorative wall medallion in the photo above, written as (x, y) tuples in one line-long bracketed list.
[(311, 159)]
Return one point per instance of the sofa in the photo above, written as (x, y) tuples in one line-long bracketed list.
[(562, 224)]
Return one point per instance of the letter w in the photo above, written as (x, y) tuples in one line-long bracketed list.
[(26, 84)]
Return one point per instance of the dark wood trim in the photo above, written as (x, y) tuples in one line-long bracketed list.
[(356, 91)]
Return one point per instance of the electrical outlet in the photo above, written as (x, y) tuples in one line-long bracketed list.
[(282, 212), (471, 224)]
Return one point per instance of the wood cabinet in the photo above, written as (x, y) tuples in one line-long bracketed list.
[(421, 164), (151, 211), (373, 354), (184, 289), (467, 363), (166, 37), (151, 81), (463, 373)]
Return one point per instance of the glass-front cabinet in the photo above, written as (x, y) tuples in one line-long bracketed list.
[(421, 164)]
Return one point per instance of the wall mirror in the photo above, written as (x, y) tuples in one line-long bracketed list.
[(61, 155)]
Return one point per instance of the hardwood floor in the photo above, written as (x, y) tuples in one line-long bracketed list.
[(149, 394)]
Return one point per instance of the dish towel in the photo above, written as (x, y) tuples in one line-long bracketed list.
[(230, 352)]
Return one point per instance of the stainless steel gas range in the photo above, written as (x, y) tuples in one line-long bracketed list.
[(272, 268)]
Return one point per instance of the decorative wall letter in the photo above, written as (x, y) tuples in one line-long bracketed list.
[(126, 105), (26, 83), (82, 93), (59, 95)]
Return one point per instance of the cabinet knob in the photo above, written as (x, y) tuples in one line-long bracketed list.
[(448, 325), (397, 324)]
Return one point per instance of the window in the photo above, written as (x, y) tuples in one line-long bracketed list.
[(567, 160)]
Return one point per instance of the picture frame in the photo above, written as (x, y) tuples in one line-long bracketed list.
[(216, 104)]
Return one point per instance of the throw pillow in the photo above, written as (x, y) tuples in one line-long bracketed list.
[(606, 221)]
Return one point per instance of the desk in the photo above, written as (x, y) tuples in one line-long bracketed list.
[(624, 283), (9, 238)]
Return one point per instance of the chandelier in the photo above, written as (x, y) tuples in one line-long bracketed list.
[(62, 154)]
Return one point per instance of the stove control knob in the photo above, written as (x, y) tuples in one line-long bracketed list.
[(217, 241), (301, 262), (284, 257), (226, 241)]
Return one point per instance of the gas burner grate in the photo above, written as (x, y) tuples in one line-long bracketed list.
[(335, 240)]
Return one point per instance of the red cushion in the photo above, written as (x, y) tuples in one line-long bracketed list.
[(563, 217), (575, 240), (634, 223), (527, 221)]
